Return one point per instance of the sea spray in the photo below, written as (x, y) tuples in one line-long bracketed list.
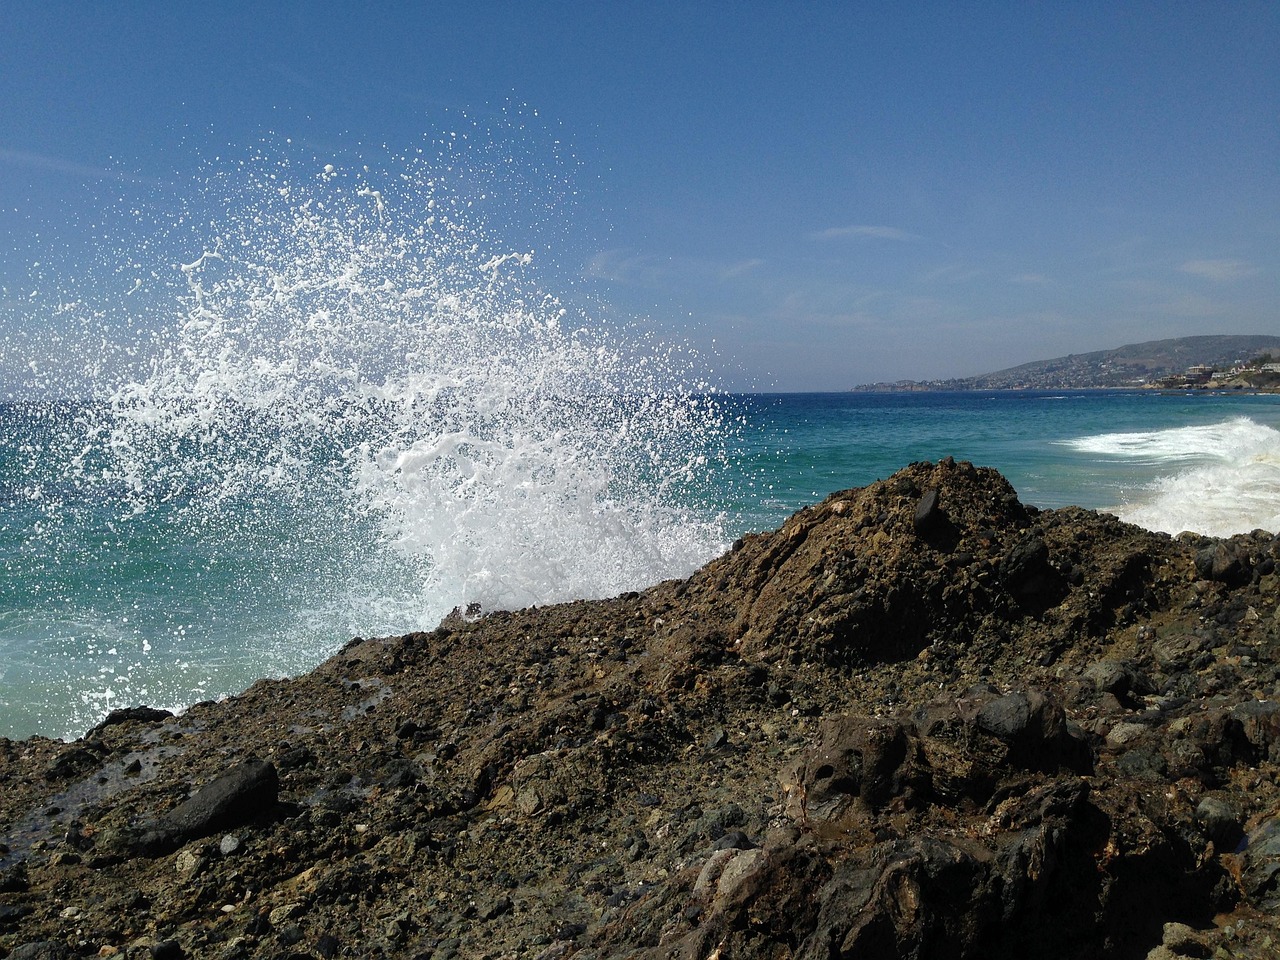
[(357, 408)]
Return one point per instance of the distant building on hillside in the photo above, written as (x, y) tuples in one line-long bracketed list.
[(1200, 373), (1196, 376)]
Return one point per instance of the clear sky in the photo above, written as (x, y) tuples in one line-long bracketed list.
[(833, 193)]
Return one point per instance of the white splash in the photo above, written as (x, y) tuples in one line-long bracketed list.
[(352, 378), (1217, 479), (374, 348)]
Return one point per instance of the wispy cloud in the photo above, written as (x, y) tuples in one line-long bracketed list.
[(738, 269), (864, 230), (58, 165), (622, 266), (952, 273), (632, 267), (1220, 270)]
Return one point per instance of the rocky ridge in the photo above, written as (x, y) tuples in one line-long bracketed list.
[(920, 720), (1133, 365)]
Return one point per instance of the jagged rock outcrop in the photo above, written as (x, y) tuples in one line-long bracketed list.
[(921, 720)]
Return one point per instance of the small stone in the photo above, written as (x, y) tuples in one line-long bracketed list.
[(229, 844), (740, 871), (1108, 676), (734, 840), (927, 515), (709, 876), (290, 935), (188, 863), (1184, 941), (493, 909), (1125, 733), (568, 931), (283, 914), (1221, 821)]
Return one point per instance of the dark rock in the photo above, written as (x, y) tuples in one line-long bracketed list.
[(167, 950), (1261, 862), (240, 795), (1027, 572), (493, 909), (1260, 723), (927, 516), (1009, 718), (733, 840), (399, 773), (42, 950), (1113, 677), (77, 761), (289, 935), (1224, 562), (1035, 731), (854, 767), (568, 931), (130, 715), (1144, 762), (295, 758), (1220, 818), (14, 879), (11, 913)]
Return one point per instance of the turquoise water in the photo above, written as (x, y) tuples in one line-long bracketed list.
[(1111, 450), (309, 400), (108, 600)]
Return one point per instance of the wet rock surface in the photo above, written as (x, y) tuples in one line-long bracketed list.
[(921, 720)]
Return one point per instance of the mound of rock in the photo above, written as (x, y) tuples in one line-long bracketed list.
[(921, 720)]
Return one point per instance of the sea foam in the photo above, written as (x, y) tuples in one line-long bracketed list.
[(1217, 479), (354, 406), (366, 341)]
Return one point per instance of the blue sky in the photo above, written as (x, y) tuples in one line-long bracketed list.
[(830, 193)]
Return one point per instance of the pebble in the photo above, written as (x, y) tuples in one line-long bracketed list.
[(188, 863), (282, 914), (1125, 733)]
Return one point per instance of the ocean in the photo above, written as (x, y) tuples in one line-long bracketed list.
[(148, 581), (322, 403)]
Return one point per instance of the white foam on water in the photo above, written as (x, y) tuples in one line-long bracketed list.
[(357, 370), (1217, 479), (372, 346)]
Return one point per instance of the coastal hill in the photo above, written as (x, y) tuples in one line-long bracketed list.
[(1133, 365), (921, 720)]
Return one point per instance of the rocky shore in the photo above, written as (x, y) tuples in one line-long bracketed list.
[(921, 720)]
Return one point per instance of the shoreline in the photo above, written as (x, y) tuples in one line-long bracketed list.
[(915, 706)]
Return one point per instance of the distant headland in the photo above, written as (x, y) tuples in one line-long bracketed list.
[(1210, 362)]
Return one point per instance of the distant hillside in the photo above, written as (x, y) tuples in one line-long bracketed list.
[(1133, 365)]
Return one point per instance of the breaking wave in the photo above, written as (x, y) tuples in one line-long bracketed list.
[(353, 407), (1217, 479)]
